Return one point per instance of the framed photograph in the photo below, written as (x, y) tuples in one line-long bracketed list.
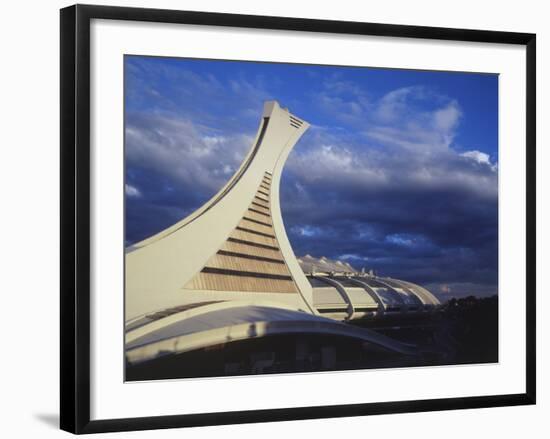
[(258, 213)]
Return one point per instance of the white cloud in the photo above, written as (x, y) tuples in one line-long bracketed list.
[(189, 153), (399, 240), (394, 104), (446, 118), (406, 139), (307, 231), (346, 256), (477, 156), (132, 191), (323, 156), (480, 158)]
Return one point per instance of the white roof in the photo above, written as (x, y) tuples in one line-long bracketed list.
[(310, 264), (243, 322)]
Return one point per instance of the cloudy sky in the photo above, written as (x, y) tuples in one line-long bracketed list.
[(398, 172)]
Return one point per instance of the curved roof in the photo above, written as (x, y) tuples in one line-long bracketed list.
[(238, 322), (360, 289)]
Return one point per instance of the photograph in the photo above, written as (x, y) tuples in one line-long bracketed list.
[(289, 218)]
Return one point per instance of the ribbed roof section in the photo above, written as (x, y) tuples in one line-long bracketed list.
[(250, 259)]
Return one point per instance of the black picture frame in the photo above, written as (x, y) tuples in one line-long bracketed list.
[(75, 217)]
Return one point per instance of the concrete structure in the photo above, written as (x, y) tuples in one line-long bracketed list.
[(228, 272), (341, 292)]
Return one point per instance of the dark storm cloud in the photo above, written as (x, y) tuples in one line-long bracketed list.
[(428, 218)]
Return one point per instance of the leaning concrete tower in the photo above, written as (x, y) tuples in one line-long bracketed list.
[(235, 246)]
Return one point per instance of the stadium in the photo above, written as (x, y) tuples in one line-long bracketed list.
[(222, 293)]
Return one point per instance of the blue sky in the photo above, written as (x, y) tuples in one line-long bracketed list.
[(398, 172)]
